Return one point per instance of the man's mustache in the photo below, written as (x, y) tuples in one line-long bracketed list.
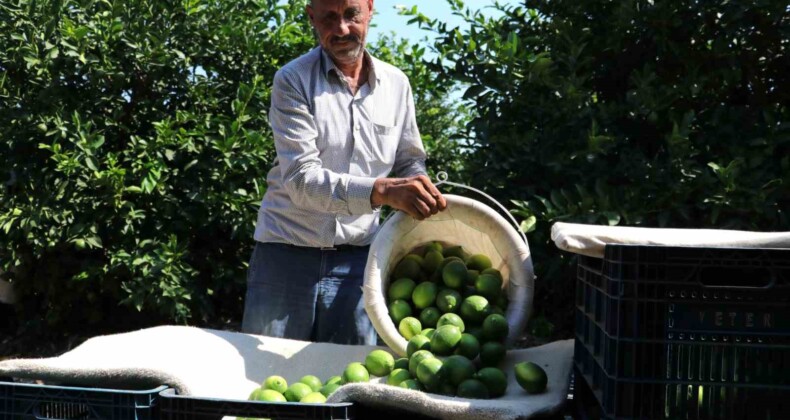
[(347, 38)]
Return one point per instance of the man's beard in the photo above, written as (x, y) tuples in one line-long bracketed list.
[(348, 55)]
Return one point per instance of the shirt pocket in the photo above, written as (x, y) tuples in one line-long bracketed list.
[(384, 147), (383, 130)]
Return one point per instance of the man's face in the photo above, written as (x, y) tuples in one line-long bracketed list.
[(342, 26)]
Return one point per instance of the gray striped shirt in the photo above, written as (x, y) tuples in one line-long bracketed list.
[(331, 146)]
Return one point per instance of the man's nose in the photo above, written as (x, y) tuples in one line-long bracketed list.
[(343, 27)]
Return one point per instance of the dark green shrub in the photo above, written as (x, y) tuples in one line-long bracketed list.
[(135, 148), (626, 113)]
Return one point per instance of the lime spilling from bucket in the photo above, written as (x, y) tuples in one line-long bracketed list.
[(397, 376), (458, 369), (494, 379), (444, 339), (472, 388), (401, 289), (424, 295), (409, 327), (379, 363), (416, 343), (399, 309), (531, 377), (478, 262), (355, 372)]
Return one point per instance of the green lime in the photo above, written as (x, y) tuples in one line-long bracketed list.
[(444, 263), (409, 267), (495, 328), (476, 331), (454, 274), (397, 376), (355, 372), (488, 286), (429, 373), (448, 300), (401, 363), (334, 380), (447, 389), (328, 389), (424, 295), (276, 383), (471, 276), (472, 388), (255, 394), (312, 381), (297, 391), (409, 327), (445, 339), (428, 332), (458, 369), (492, 354), (429, 316), (416, 343), (379, 363), (451, 319), (401, 289), (313, 398), (271, 395), (454, 251), (531, 377), (494, 272), (416, 358), (433, 246), (432, 261), (399, 309), (474, 309), (411, 384), (494, 379), (469, 346), (478, 262)]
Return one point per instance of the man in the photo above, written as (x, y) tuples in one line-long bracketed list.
[(342, 121)]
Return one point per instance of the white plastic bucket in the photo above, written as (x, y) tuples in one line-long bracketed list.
[(466, 222)]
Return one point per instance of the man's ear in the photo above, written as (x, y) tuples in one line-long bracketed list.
[(309, 10)]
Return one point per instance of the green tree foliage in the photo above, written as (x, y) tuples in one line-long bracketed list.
[(135, 146), (634, 112)]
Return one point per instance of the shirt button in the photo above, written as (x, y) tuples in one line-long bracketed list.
[(356, 127)]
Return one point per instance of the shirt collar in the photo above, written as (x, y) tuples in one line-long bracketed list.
[(328, 67)]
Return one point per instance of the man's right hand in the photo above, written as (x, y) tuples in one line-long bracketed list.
[(415, 195)]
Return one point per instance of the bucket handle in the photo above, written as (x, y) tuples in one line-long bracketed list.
[(441, 178)]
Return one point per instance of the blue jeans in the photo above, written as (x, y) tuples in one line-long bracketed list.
[(307, 294)]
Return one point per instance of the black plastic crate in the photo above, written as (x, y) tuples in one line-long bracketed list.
[(180, 407), (681, 332), (31, 401)]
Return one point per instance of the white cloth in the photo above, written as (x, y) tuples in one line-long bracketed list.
[(465, 222), (331, 146), (590, 240), (229, 365)]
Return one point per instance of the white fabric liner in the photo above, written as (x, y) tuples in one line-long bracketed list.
[(591, 240), (466, 222), (229, 365)]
